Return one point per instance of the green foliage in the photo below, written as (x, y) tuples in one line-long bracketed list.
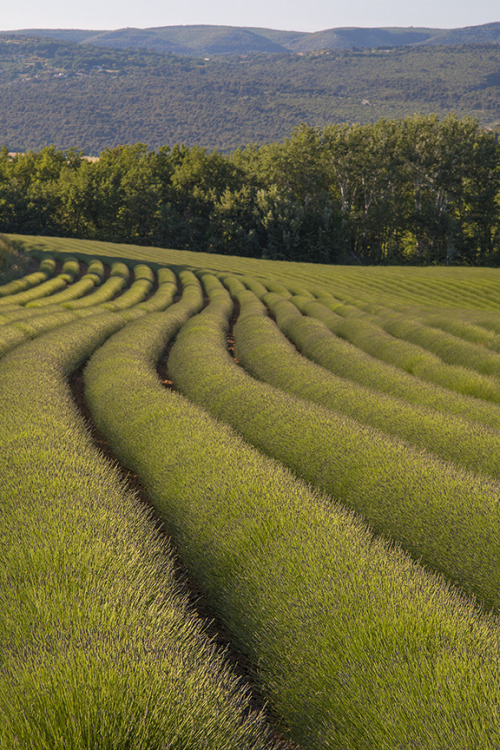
[(13, 264), (98, 646), (83, 97), (417, 190), (267, 355), (452, 513), (312, 335), (352, 644)]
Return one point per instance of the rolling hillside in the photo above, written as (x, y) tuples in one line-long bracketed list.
[(223, 40), (90, 98), (318, 455)]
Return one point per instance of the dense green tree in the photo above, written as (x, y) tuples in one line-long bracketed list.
[(418, 190)]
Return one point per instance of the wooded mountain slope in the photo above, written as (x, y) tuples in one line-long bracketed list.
[(90, 98)]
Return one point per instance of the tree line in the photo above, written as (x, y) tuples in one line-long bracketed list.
[(414, 190)]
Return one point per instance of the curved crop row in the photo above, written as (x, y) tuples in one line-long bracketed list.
[(349, 280), (45, 269), (98, 647), (29, 328), (425, 287), (442, 514), (80, 288), (444, 344), (22, 324), (461, 323), (118, 279), (423, 377), (428, 287), (464, 318), (466, 326), (313, 337), (354, 645), (267, 355), (274, 285), (295, 290), (164, 295), (410, 357), (485, 294), (139, 290), (70, 270), (463, 328), (256, 286), (490, 322)]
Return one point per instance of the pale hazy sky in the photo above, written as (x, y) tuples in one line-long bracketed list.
[(297, 15)]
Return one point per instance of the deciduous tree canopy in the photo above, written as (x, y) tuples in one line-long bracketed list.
[(417, 190)]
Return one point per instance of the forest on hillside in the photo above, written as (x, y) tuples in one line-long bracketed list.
[(414, 190), (91, 98)]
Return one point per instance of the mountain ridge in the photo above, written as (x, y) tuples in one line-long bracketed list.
[(205, 39)]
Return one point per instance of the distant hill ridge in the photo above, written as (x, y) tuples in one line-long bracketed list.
[(203, 40)]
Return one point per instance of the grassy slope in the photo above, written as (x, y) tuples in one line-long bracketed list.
[(98, 647), (356, 706), (355, 646), (352, 280)]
